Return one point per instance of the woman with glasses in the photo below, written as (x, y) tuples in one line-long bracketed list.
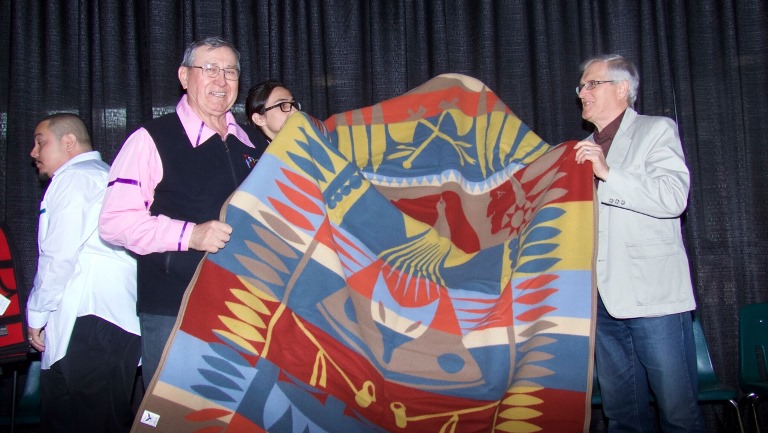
[(268, 106)]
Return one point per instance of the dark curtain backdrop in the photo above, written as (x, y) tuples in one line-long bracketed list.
[(702, 63)]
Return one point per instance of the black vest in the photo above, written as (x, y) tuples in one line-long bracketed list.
[(196, 183)]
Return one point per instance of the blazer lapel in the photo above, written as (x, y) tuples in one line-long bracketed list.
[(622, 139)]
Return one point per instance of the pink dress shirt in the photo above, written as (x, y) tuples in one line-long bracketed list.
[(125, 219)]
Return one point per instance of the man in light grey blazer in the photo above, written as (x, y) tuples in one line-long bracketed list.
[(644, 336)]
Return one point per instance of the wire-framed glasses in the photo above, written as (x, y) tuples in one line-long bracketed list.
[(285, 107), (212, 71), (591, 84)]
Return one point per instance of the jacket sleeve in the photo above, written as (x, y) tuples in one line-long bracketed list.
[(654, 179)]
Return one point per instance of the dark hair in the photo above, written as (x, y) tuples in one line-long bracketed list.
[(61, 124), (212, 43), (257, 97)]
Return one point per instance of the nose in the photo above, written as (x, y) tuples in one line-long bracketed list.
[(220, 80), (34, 153)]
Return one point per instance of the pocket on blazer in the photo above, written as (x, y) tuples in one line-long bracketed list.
[(649, 248), (657, 276)]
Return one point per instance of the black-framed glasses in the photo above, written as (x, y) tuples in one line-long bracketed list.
[(591, 84), (285, 107), (212, 71)]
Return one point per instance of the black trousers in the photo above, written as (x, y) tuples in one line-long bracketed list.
[(90, 389)]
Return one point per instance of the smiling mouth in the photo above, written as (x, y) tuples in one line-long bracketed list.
[(219, 94)]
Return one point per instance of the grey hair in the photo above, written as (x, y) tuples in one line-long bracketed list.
[(212, 43), (619, 69)]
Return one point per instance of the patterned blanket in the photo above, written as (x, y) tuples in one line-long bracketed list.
[(420, 265)]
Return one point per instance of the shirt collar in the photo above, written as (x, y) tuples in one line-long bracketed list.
[(198, 132), (85, 156), (610, 130)]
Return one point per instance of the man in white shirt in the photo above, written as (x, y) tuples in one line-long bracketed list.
[(81, 309)]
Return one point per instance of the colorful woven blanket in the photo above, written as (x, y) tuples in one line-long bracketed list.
[(420, 265)]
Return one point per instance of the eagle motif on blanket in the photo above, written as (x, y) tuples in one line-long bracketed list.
[(420, 265)]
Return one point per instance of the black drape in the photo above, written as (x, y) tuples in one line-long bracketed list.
[(702, 63)]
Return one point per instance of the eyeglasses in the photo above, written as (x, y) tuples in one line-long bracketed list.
[(591, 84), (285, 107), (212, 71)]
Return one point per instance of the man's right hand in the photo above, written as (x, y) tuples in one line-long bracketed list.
[(36, 337), (210, 236)]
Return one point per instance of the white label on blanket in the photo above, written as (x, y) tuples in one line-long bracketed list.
[(150, 418)]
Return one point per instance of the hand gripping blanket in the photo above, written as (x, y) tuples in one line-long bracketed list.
[(420, 265)]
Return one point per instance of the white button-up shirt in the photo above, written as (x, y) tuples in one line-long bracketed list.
[(78, 274)]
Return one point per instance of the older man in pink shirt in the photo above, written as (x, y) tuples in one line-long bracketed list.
[(168, 183)]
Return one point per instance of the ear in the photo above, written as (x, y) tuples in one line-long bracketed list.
[(258, 119), (70, 142), (183, 76), (623, 89)]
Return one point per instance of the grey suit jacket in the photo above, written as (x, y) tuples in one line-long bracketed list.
[(642, 268)]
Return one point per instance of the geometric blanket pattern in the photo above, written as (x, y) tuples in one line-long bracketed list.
[(420, 265)]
